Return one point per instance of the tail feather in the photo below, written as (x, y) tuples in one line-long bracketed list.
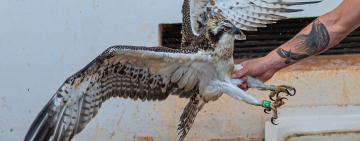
[(188, 116)]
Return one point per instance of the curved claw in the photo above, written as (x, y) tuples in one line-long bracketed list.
[(287, 92), (281, 101), (292, 94), (266, 111), (290, 91), (277, 95), (271, 96), (281, 98), (273, 121)]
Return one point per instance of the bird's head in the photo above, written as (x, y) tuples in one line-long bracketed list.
[(219, 29)]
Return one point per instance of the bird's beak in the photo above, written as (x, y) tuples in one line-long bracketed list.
[(238, 34)]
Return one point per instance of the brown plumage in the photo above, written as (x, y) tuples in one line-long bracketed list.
[(188, 116), (187, 34)]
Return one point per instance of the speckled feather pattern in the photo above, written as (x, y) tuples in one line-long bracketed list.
[(188, 116), (109, 75), (245, 14)]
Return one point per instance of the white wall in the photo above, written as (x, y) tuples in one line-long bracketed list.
[(42, 42)]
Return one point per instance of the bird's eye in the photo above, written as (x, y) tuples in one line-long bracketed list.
[(226, 29)]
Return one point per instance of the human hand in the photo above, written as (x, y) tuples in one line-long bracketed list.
[(260, 68)]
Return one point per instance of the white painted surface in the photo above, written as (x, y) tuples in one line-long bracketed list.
[(42, 42), (314, 120)]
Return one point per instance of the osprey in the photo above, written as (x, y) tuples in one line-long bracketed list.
[(200, 70)]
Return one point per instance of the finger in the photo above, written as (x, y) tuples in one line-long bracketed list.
[(244, 78), (244, 86), (234, 75)]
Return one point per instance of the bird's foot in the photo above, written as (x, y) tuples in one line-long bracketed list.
[(278, 100), (290, 91)]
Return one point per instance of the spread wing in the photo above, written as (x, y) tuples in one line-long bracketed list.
[(244, 14), (121, 71)]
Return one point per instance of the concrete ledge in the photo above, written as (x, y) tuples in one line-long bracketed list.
[(315, 123)]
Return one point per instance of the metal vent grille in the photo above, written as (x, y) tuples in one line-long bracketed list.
[(261, 42)]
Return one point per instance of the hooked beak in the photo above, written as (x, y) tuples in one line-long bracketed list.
[(238, 34)]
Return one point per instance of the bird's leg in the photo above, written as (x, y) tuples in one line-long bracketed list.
[(274, 95), (276, 90), (236, 82), (257, 84), (239, 94)]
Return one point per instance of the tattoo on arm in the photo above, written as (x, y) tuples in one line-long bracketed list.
[(307, 45)]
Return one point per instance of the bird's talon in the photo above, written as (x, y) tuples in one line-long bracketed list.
[(272, 94), (278, 100), (266, 111), (287, 92), (273, 121), (294, 92), (290, 91), (272, 99), (283, 98)]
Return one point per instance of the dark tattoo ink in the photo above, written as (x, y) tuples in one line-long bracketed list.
[(307, 45), (290, 55)]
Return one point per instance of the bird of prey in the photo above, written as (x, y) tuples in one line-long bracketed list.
[(200, 70)]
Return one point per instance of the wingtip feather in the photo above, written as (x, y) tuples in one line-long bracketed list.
[(39, 129), (298, 3)]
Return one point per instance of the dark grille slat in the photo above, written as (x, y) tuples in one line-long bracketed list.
[(261, 42), (268, 37), (271, 47), (254, 49), (351, 39), (258, 43), (176, 41)]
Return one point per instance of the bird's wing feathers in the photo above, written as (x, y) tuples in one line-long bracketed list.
[(188, 116), (121, 71), (244, 14), (187, 34)]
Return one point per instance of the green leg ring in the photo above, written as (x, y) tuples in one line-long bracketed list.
[(266, 104)]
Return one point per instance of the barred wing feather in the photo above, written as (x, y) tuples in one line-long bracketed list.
[(121, 71), (245, 14)]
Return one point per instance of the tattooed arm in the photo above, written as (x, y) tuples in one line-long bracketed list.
[(305, 45), (323, 33)]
